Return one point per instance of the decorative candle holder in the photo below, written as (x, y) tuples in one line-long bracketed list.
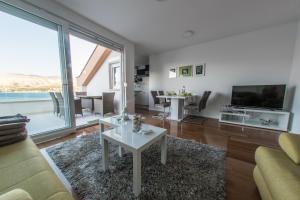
[(124, 115)]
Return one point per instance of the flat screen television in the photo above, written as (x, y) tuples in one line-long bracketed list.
[(258, 96)]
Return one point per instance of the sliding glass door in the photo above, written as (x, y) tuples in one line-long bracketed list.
[(33, 74), (56, 73), (96, 72)]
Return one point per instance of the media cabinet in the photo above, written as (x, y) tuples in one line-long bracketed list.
[(260, 118)]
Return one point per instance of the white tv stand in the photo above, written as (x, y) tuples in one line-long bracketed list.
[(260, 118)]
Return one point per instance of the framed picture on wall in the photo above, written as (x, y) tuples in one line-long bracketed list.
[(200, 70), (172, 72), (185, 71)]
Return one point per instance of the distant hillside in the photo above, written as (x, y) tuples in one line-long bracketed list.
[(19, 82)]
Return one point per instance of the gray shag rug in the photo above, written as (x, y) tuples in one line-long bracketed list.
[(193, 170)]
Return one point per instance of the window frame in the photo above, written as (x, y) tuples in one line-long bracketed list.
[(111, 74), (31, 14)]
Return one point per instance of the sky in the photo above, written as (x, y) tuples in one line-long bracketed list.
[(81, 51), (31, 49)]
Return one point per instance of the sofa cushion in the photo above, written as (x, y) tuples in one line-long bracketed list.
[(282, 176), (42, 186), (21, 171), (14, 153), (290, 144), (261, 184), (16, 194), (23, 166)]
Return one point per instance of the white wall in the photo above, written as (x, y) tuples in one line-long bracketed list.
[(295, 84), (141, 59), (100, 81), (65, 13), (258, 57)]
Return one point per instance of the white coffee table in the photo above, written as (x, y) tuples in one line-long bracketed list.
[(122, 135)]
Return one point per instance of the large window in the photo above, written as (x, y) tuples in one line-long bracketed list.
[(115, 76), (38, 54), (32, 71)]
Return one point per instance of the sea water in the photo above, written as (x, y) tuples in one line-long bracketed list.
[(23, 96)]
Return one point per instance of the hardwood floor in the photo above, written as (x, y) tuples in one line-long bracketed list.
[(239, 142)]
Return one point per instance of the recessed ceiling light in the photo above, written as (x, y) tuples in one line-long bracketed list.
[(161, 0), (188, 34)]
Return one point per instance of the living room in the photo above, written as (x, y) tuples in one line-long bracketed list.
[(208, 103)]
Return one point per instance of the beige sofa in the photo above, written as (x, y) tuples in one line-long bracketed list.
[(277, 171), (26, 175)]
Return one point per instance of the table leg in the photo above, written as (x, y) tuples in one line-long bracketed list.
[(137, 179), (121, 151), (177, 109), (164, 150), (174, 109), (101, 128), (105, 156), (180, 109)]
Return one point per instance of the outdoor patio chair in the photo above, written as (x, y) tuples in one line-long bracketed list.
[(77, 102), (106, 104), (55, 103), (61, 105), (160, 103), (86, 102), (78, 107)]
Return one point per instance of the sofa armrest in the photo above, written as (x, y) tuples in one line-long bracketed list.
[(290, 144), (16, 194)]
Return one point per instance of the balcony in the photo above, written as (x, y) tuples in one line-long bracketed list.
[(41, 115), (95, 70)]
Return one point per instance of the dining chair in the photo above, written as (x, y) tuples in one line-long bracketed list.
[(158, 103), (193, 108), (162, 93)]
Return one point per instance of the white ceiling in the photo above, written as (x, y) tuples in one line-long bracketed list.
[(158, 26)]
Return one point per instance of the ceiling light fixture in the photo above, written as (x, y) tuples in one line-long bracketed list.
[(188, 33)]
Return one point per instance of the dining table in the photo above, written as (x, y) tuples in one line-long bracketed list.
[(177, 106), (87, 101)]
